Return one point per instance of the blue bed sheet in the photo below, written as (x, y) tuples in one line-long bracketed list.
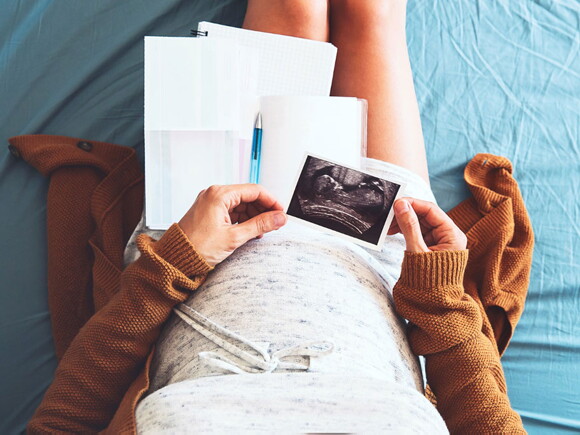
[(493, 76)]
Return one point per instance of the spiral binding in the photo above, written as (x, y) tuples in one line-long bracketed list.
[(196, 33)]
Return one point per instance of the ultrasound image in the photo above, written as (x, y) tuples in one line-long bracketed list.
[(343, 199)]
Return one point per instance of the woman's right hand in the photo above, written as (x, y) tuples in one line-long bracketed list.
[(223, 218), (426, 227)]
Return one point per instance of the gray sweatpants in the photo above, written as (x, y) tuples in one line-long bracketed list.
[(295, 332)]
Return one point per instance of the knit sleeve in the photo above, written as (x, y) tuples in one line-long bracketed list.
[(445, 325), (110, 350)]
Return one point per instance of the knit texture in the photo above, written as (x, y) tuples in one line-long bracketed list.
[(107, 355), (462, 364), (500, 241), (94, 202), (463, 313)]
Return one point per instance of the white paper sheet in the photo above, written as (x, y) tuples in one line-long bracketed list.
[(329, 127), (287, 65), (193, 99), (201, 100), (191, 84), (170, 193), (280, 65)]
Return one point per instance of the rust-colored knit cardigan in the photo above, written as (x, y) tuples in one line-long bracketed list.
[(462, 312)]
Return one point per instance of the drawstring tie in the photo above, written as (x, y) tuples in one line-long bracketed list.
[(248, 362)]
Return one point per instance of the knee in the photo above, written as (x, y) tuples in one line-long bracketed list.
[(300, 18), (367, 13), (309, 18), (309, 12)]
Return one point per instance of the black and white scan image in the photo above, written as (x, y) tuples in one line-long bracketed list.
[(342, 199)]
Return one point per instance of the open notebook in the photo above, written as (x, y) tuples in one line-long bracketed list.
[(201, 99), (286, 65)]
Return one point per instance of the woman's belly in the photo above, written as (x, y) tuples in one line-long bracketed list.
[(288, 403), (290, 288)]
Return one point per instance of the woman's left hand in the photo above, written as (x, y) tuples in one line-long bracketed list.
[(426, 227)]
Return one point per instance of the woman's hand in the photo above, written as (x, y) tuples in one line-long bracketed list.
[(210, 223), (426, 227)]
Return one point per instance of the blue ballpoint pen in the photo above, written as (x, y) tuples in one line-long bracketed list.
[(256, 151)]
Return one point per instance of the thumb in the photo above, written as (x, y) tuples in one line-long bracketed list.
[(408, 222), (261, 224)]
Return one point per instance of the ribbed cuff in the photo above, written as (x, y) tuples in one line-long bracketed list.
[(424, 270), (175, 248)]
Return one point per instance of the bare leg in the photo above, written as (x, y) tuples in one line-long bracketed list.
[(300, 18), (373, 63)]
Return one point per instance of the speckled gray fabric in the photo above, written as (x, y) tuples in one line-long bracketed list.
[(296, 285), (280, 403), (290, 287)]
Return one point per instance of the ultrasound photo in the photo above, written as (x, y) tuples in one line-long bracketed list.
[(350, 202)]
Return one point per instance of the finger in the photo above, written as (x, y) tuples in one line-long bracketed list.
[(429, 239), (253, 210), (236, 194), (200, 193), (247, 214), (239, 214), (259, 207), (409, 224), (241, 208), (429, 213), (259, 225), (250, 210), (393, 228)]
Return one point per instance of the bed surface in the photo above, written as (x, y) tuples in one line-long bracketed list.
[(491, 76)]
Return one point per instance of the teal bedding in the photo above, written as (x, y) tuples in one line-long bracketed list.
[(491, 76)]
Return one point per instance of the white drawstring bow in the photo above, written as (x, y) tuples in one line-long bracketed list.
[(246, 361)]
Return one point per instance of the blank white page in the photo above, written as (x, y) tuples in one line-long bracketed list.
[(287, 65), (180, 165), (328, 127), (191, 84), (192, 115)]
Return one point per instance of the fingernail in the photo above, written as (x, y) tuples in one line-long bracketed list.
[(401, 206), (279, 219)]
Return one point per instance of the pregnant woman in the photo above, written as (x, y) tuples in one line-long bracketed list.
[(296, 331)]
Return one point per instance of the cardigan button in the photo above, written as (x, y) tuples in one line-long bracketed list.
[(84, 145), (14, 151)]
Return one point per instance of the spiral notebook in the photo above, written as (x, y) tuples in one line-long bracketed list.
[(202, 95), (286, 65)]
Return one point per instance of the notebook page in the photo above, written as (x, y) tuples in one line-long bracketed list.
[(284, 66), (186, 153), (191, 84), (192, 113), (329, 127), (287, 65)]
